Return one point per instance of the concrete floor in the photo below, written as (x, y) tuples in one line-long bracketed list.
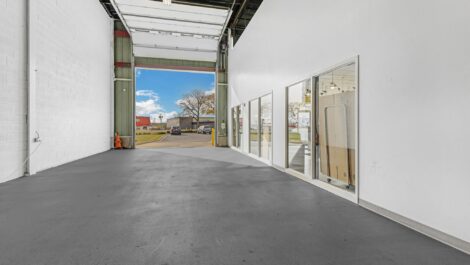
[(194, 206), (184, 140)]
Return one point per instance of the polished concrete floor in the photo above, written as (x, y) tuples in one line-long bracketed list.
[(194, 206)]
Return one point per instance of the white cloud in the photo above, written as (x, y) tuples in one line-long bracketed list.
[(147, 107), (147, 93), (150, 107), (210, 92)]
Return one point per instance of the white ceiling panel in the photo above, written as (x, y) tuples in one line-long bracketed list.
[(173, 42), (174, 54), (172, 26), (173, 31)]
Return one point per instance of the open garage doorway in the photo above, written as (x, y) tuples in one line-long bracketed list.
[(174, 108)]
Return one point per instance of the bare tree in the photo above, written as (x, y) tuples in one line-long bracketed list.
[(210, 104), (195, 103)]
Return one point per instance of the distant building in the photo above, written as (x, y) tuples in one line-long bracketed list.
[(182, 122), (142, 123), (204, 121), (189, 122)]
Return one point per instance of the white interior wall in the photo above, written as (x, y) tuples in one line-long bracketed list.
[(414, 76), (70, 86), (12, 89), (72, 42)]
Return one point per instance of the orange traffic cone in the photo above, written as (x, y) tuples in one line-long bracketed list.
[(117, 142)]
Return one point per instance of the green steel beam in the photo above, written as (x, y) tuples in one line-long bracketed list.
[(123, 84), (173, 64)]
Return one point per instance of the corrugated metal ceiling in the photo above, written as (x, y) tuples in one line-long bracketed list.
[(184, 29)]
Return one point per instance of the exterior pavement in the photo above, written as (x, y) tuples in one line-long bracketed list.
[(184, 140), (194, 206)]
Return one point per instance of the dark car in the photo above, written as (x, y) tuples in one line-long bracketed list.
[(175, 130)]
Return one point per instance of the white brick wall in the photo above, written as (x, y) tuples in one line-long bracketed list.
[(73, 84), (12, 88), (72, 53)]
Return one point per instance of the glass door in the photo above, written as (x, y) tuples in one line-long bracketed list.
[(299, 129), (241, 137), (235, 127), (335, 140), (266, 127), (254, 127)]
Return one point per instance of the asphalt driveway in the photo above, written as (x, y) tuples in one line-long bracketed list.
[(185, 140)]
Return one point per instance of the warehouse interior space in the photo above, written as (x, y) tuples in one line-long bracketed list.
[(336, 132)]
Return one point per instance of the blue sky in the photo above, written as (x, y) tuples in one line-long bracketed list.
[(158, 90)]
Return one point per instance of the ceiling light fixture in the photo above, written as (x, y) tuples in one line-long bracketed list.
[(332, 84), (167, 2)]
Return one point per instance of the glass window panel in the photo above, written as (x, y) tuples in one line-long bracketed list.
[(299, 112), (240, 127), (336, 126), (234, 127), (237, 109), (266, 127), (254, 127)]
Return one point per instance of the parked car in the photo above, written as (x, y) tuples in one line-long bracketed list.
[(175, 130), (204, 129), (207, 129), (200, 129)]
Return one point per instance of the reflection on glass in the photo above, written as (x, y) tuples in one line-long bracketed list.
[(235, 127), (299, 109), (241, 139), (254, 127), (266, 127), (336, 126)]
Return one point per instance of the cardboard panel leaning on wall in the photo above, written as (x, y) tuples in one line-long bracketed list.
[(12, 89)]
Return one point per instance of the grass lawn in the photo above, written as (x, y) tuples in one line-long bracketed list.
[(148, 138), (294, 137)]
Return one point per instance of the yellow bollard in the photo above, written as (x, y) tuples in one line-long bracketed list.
[(213, 136)]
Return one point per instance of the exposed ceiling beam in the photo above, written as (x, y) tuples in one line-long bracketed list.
[(183, 12), (211, 4), (239, 12)]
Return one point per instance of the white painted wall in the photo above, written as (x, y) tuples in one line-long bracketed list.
[(71, 84), (414, 92), (72, 42), (12, 88)]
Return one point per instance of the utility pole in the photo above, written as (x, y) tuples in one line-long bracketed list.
[(161, 120)]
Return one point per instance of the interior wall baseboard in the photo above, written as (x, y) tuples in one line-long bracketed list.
[(282, 169), (447, 239)]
